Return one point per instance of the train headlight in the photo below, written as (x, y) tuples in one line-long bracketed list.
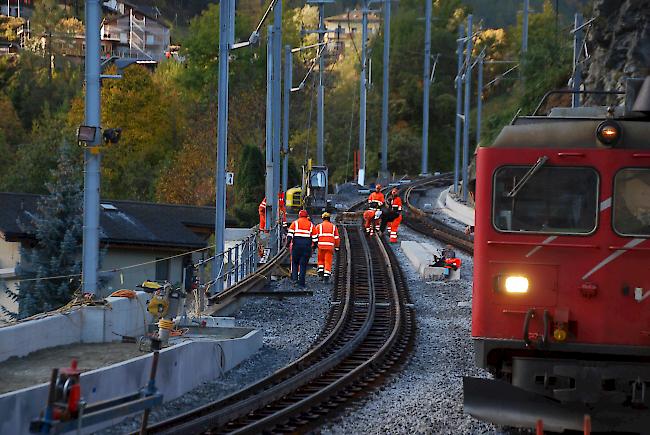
[(516, 284), (608, 132)]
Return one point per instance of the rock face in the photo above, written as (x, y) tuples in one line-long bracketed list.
[(618, 44)]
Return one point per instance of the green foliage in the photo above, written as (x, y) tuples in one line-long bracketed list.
[(57, 228), (249, 187)]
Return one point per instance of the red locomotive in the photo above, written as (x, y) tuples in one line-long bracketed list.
[(561, 303)]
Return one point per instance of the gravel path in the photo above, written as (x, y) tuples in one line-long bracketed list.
[(426, 397), (290, 326)]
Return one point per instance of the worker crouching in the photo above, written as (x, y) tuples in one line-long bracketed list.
[(326, 236), (300, 244), (393, 216), (371, 220)]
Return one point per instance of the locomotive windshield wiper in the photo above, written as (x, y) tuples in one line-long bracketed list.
[(527, 176)]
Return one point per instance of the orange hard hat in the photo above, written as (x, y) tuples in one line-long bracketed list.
[(303, 213)]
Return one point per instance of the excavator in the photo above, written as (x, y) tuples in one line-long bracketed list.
[(312, 194)]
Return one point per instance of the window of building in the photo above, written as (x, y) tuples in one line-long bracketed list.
[(631, 212), (553, 200), (151, 40), (162, 269)]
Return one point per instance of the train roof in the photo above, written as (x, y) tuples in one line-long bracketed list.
[(577, 127)]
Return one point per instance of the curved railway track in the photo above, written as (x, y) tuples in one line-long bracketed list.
[(426, 224), (368, 333)]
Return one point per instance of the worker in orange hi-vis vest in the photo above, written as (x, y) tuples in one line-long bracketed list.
[(300, 235), (371, 220), (262, 212), (283, 208), (395, 203), (326, 235), (376, 198)]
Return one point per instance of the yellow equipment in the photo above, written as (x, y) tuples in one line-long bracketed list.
[(312, 195)]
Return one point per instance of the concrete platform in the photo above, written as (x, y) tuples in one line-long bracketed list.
[(189, 362), (455, 209)]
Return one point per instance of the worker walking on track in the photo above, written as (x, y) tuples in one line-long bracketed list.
[(300, 242), (395, 203), (326, 235)]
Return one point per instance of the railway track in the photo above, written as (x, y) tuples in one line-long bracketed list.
[(426, 224), (368, 334)]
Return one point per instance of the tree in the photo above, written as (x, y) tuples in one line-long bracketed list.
[(249, 186), (46, 17), (57, 231)]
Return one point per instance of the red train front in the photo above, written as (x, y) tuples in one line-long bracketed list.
[(561, 303)]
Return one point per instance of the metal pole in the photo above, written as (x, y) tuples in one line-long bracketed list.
[(90, 250), (427, 87), (468, 93), (524, 28), (288, 79), (386, 77), (479, 100), (270, 211), (577, 69), (459, 105), (363, 92), (320, 137), (222, 142), (277, 115)]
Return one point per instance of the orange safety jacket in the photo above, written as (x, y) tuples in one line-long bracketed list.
[(326, 235), (262, 207), (377, 197), (396, 204), (301, 227)]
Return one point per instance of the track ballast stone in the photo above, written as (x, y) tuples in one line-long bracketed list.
[(426, 396)]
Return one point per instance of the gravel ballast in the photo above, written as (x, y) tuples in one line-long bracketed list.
[(426, 396)]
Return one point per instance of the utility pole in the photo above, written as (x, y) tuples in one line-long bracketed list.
[(384, 106), (270, 178), (92, 156), (479, 102), (524, 29), (277, 109), (320, 109), (288, 79), (577, 68), (426, 82), (363, 93), (459, 105), (468, 93)]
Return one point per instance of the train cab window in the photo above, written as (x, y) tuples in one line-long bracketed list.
[(632, 202), (545, 199), (318, 179)]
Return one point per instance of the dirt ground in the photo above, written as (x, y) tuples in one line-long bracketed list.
[(36, 368)]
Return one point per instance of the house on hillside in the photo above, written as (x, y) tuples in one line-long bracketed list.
[(350, 30), (133, 31), (131, 233)]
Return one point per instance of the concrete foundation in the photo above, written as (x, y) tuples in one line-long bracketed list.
[(181, 368), (454, 209), (201, 355)]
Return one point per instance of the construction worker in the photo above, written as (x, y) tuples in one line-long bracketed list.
[(283, 208), (326, 236), (395, 203), (377, 198), (300, 242), (371, 220), (262, 212)]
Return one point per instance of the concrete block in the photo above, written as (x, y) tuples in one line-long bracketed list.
[(181, 368), (454, 209), (434, 273)]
